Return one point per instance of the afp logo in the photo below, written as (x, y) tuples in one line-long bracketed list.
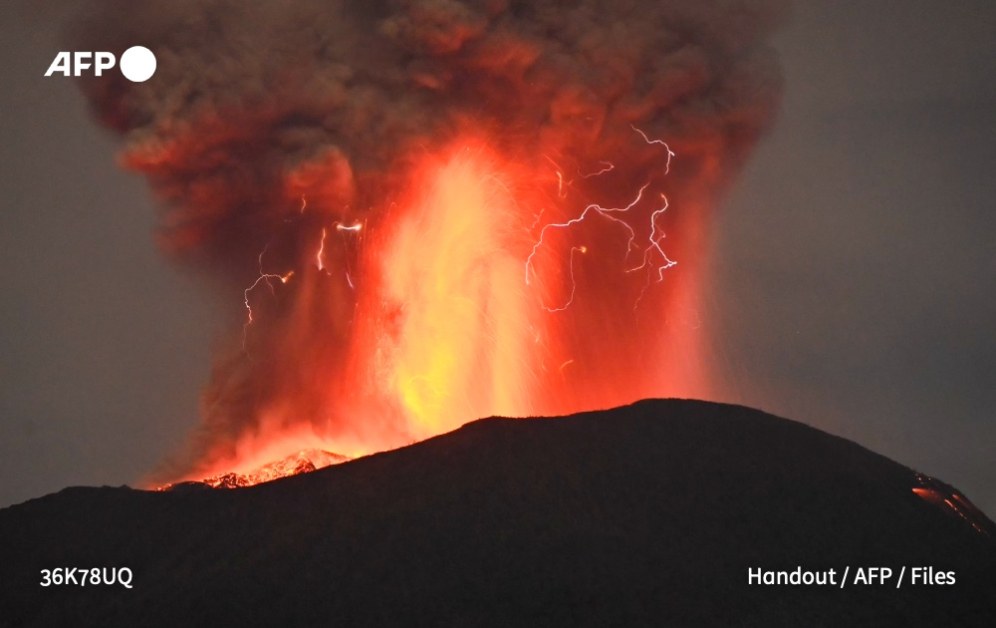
[(138, 64)]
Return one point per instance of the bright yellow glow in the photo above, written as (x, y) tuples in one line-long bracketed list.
[(461, 346)]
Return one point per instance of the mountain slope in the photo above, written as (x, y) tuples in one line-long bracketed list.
[(648, 514)]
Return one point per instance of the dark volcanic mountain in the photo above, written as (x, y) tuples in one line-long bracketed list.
[(649, 514)]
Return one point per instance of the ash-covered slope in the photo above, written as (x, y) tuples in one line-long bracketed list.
[(650, 514)]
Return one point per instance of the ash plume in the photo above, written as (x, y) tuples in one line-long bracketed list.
[(269, 125)]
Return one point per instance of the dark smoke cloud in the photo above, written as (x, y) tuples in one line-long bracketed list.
[(256, 105)]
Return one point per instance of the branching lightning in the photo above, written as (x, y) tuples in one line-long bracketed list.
[(656, 235), (605, 212), (263, 278)]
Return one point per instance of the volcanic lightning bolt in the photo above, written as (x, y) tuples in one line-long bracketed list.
[(262, 278), (574, 285), (670, 153), (654, 237), (320, 255)]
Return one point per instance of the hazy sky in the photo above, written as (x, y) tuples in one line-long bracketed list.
[(855, 259)]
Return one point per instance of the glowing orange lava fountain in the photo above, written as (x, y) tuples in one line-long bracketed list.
[(485, 294)]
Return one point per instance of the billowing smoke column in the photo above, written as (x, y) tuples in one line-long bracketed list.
[(424, 212)]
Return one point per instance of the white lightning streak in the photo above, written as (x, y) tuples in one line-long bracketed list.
[(653, 247), (574, 284), (263, 277), (605, 212), (670, 153), (607, 166), (320, 255)]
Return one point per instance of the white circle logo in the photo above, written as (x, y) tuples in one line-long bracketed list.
[(138, 64)]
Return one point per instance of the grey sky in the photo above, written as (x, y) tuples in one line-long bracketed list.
[(857, 256), (855, 259)]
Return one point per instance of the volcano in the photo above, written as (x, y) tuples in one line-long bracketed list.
[(648, 514)]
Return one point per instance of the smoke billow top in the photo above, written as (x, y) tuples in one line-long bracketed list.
[(369, 178)]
